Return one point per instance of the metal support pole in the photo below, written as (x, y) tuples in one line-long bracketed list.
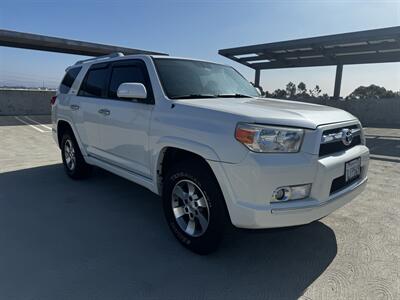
[(257, 78), (338, 81)]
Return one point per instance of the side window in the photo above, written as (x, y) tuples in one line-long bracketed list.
[(121, 74), (94, 84), (68, 80)]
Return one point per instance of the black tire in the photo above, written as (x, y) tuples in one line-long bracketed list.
[(80, 169), (216, 212)]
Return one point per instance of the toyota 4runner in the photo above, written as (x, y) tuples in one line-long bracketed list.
[(200, 136)]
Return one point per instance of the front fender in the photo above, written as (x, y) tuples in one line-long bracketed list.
[(181, 143), (203, 150)]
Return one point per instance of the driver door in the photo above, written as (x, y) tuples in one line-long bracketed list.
[(124, 134)]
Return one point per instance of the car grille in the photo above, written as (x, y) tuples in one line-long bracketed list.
[(336, 144)]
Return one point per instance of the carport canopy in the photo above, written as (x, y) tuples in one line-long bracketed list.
[(361, 47), (15, 39)]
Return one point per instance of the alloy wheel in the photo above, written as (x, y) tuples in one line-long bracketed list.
[(69, 154), (190, 208)]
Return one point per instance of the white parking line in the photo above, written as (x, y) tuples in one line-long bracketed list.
[(33, 126), (47, 127)]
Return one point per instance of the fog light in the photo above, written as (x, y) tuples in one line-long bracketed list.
[(291, 192), (281, 194)]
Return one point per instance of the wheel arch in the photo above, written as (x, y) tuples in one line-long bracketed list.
[(63, 126), (172, 154)]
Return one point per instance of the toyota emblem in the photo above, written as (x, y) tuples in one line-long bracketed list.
[(347, 136)]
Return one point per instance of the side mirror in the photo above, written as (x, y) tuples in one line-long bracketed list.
[(132, 90)]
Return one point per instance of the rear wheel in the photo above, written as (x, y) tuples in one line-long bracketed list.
[(74, 163), (193, 207)]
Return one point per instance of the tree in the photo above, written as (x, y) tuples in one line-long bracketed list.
[(291, 89), (279, 94), (315, 92), (268, 94), (372, 92), (324, 96), (302, 87), (302, 90)]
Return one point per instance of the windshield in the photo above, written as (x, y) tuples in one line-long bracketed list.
[(183, 78)]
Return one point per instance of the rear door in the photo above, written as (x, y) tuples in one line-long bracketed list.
[(66, 94), (86, 109), (125, 126)]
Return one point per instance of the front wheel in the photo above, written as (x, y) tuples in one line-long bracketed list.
[(194, 207)]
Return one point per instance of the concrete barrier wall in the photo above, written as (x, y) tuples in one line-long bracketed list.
[(371, 112), (25, 102)]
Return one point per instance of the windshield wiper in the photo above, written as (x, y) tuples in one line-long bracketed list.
[(202, 96), (193, 96), (236, 95)]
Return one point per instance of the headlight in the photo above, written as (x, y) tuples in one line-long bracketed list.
[(260, 138)]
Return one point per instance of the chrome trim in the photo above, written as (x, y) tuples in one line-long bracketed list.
[(338, 136)]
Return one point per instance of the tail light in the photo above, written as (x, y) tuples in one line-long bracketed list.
[(53, 100)]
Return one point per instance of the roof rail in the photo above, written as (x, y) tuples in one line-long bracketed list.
[(111, 55)]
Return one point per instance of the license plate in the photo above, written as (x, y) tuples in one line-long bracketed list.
[(353, 169)]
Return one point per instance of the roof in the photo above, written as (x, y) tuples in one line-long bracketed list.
[(361, 47), (121, 56), (16, 39)]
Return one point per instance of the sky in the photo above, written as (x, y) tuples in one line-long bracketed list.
[(196, 29)]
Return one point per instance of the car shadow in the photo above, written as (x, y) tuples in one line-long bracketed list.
[(106, 238)]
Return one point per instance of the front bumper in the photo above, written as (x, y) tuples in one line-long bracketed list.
[(248, 186)]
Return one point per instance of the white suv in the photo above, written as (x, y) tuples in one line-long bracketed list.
[(199, 135)]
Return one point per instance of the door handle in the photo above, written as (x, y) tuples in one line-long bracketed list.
[(104, 112), (74, 107)]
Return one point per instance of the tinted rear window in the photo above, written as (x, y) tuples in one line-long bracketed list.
[(68, 80), (125, 74), (94, 84)]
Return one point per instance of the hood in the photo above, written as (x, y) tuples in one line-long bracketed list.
[(274, 111)]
